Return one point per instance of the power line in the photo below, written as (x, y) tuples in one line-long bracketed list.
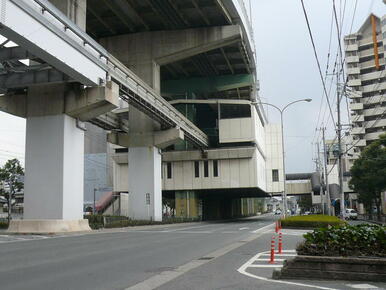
[(317, 59)]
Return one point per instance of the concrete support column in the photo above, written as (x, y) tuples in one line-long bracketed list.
[(145, 186), (186, 204), (53, 199)]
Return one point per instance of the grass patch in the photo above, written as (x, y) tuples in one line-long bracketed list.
[(311, 221)]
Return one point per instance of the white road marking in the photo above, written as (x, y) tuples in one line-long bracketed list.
[(276, 260), (281, 255), (266, 266), (249, 264), (167, 276), (362, 286), (244, 228)]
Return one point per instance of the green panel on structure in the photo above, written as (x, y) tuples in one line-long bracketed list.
[(206, 85)]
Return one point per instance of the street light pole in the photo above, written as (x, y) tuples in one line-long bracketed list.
[(284, 194)]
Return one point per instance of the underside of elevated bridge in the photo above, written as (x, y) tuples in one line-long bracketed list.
[(115, 64)]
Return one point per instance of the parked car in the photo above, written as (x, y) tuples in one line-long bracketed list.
[(351, 214), (278, 212), (307, 213)]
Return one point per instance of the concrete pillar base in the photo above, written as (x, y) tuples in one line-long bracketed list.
[(48, 226)]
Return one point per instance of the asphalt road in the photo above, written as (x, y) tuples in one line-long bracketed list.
[(121, 258)]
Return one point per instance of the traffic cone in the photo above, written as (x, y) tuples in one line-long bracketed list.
[(280, 245), (272, 259)]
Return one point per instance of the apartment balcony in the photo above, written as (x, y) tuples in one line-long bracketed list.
[(352, 47), (360, 143), (374, 100), (369, 40), (353, 71), (354, 94), (373, 136), (356, 106), (354, 83), (381, 122), (357, 118), (358, 131), (351, 59), (374, 87), (371, 63), (373, 75), (374, 111)]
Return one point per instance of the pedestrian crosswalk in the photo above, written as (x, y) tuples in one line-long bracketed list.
[(262, 260)]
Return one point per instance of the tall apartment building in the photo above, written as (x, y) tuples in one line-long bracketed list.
[(365, 62)]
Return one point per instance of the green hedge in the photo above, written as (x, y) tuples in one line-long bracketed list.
[(311, 221), (100, 221), (360, 240), (3, 225)]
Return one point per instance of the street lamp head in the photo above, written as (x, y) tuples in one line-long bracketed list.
[(308, 100)]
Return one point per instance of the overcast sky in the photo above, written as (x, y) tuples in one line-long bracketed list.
[(286, 69)]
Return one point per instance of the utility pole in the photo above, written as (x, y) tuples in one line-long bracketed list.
[(10, 201), (325, 156), (340, 164), (319, 168)]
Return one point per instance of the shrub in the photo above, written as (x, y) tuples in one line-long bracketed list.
[(100, 221), (3, 225), (95, 221), (311, 221), (359, 240)]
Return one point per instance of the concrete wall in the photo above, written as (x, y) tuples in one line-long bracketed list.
[(236, 130), (232, 173), (273, 149)]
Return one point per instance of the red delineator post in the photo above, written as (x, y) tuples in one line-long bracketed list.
[(280, 245), (272, 259), (276, 226)]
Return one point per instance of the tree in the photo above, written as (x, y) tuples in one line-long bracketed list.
[(10, 179), (305, 203), (369, 174)]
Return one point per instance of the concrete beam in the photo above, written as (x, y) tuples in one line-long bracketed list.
[(93, 102), (145, 52), (159, 139), (82, 104), (196, 41), (207, 84), (14, 53), (14, 104), (28, 78)]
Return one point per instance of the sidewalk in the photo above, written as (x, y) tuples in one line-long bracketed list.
[(247, 267), (259, 268)]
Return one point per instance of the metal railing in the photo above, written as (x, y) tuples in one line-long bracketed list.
[(132, 88)]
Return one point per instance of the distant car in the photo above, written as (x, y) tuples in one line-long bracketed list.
[(351, 214), (307, 213), (278, 212)]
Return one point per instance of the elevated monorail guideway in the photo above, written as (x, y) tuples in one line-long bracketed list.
[(43, 31)]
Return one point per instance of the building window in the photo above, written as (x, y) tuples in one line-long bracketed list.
[(196, 169), (275, 175), (206, 168), (215, 168), (169, 170)]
